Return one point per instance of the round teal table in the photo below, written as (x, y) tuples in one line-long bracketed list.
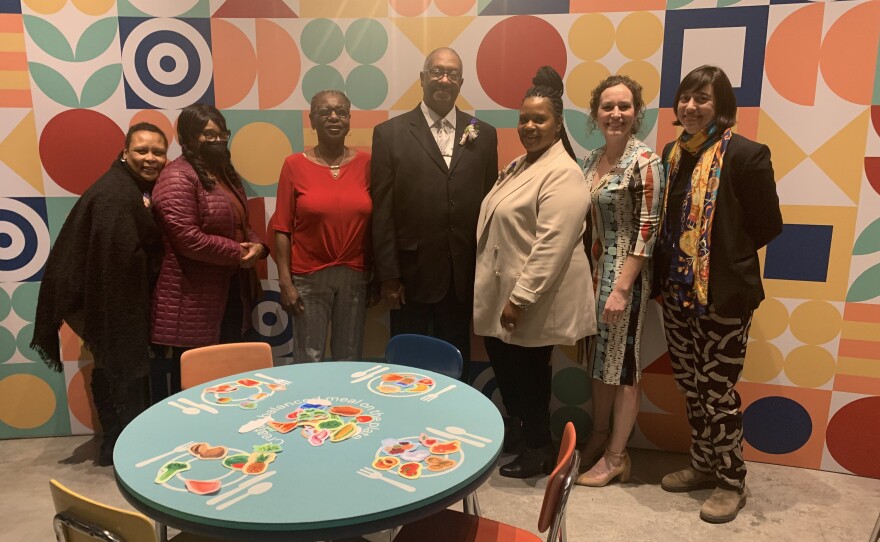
[(309, 452)]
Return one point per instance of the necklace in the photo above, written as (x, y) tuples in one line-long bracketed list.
[(334, 167)]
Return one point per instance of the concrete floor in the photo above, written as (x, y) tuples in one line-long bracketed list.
[(784, 503)]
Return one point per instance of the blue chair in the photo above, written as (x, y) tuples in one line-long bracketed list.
[(423, 352)]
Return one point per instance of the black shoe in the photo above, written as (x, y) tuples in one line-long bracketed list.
[(531, 462)]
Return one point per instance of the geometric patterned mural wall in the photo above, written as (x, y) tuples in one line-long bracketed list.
[(74, 74)]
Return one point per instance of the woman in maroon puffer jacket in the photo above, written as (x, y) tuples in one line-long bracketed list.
[(201, 208)]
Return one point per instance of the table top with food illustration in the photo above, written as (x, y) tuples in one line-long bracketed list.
[(309, 447)]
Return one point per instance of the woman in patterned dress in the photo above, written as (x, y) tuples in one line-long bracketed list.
[(626, 185)]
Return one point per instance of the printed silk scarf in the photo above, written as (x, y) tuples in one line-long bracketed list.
[(689, 263)]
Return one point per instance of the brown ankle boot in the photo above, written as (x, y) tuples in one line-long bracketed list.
[(723, 505)]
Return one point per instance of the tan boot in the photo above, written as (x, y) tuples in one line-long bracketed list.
[(687, 479), (723, 505)]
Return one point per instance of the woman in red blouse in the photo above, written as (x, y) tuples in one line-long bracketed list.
[(321, 224)]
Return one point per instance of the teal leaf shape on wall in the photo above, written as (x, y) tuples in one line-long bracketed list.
[(53, 84), (96, 39), (101, 85), (868, 241), (866, 287), (48, 38)]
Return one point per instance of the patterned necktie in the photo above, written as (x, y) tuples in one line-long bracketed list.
[(444, 138)]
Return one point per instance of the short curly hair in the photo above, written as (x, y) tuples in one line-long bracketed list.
[(613, 81)]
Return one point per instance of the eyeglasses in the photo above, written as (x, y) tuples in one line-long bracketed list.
[(327, 112), (212, 136), (438, 73)]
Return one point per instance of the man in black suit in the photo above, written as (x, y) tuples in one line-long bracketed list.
[(430, 169)]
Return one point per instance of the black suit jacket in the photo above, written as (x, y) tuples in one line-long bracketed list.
[(425, 213), (747, 217)]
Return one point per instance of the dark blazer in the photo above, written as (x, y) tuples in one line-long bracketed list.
[(747, 217), (425, 213)]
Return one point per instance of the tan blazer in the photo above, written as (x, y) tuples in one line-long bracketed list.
[(530, 250)]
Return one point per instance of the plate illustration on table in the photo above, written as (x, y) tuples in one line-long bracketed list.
[(418, 457), (401, 384), (319, 421), (204, 469), (244, 393)]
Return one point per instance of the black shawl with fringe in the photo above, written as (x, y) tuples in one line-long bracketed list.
[(99, 276)]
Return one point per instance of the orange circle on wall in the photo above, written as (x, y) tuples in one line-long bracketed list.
[(79, 397), (26, 401), (454, 8), (410, 8)]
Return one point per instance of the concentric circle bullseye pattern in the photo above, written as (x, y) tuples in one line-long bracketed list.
[(28, 246), (167, 63)]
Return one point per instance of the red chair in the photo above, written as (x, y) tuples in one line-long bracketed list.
[(453, 525), (207, 363)]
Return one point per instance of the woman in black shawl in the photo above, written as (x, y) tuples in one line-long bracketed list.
[(99, 277)]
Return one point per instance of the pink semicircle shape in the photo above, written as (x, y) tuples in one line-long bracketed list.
[(791, 60), (235, 63), (849, 53), (278, 63)]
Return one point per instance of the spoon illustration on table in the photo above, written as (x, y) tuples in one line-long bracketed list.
[(253, 490), (185, 409)]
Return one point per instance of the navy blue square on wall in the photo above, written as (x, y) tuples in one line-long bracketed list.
[(678, 22), (167, 63), (10, 6), (801, 252)]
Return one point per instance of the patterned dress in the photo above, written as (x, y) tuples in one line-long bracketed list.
[(627, 202)]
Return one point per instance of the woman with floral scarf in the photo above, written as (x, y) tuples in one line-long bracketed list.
[(720, 208)]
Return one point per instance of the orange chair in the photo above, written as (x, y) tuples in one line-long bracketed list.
[(207, 363), (453, 525), (80, 519)]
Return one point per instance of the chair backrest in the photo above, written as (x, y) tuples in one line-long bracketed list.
[(207, 363), (559, 486), (77, 515), (423, 352)]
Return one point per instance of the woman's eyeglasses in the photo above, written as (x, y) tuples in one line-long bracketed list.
[(212, 136)]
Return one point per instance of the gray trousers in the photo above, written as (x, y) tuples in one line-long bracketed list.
[(334, 296)]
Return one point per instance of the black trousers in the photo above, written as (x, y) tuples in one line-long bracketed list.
[(523, 376), (449, 319), (118, 400), (165, 366)]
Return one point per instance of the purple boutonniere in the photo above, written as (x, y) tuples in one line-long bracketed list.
[(504, 173), (471, 131)]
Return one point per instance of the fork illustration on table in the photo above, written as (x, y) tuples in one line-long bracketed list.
[(275, 380), (376, 475), (180, 449), (431, 396)]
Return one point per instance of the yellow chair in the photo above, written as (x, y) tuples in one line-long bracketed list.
[(207, 363), (80, 519)]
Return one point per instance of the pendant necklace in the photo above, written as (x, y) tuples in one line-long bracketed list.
[(334, 167)]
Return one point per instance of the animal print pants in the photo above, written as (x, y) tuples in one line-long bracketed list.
[(707, 356)]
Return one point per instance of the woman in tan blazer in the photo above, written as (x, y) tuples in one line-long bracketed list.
[(532, 286)]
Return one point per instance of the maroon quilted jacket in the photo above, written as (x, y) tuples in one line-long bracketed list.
[(201, 255)]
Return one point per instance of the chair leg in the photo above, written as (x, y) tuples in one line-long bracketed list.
[(471, 505), (161, 532)]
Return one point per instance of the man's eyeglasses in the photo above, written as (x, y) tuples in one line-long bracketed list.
[(212, 136), (438, 73)]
